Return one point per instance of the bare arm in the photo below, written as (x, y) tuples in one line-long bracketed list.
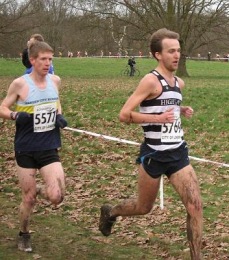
[(148, 87), (186, 111), (10, 99), (60, 120)]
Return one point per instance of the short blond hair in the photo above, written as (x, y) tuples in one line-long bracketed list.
[(36, 47)]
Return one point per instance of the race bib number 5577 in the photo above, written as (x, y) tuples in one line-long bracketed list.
[(44, 117)]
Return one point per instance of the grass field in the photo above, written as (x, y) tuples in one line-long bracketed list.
[(98, 171)]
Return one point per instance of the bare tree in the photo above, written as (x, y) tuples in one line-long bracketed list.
[(118, 39), (16, 16), (15, 22), (86, 24), (197, 21), (55, 15)]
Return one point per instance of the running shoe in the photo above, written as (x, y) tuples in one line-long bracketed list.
[(24, 242), (106, 221)]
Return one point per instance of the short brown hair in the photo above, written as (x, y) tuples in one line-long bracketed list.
[(158, 36), (36, 47), (37, 37)]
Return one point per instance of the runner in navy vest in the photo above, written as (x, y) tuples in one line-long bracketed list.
[(38, 119), (164, 150)]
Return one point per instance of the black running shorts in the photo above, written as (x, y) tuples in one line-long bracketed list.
[(36, 160), (157, 163)]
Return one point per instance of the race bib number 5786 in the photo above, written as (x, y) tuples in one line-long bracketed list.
[(44, 117)]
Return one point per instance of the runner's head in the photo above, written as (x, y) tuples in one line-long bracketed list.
[(35, 37), (40, 56), (157, 38)]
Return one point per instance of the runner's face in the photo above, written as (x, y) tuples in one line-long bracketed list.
[(42, 63), (170, 55)]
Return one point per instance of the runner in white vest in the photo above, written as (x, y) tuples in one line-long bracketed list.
[(164, 150)]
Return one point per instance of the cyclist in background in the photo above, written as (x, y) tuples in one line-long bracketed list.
[(132, 64)]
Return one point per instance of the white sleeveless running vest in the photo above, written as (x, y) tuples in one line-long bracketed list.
[(165, 136)]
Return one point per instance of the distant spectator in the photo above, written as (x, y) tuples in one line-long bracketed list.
[(101, 54), (225, 57), (70, 54), (209, 56)]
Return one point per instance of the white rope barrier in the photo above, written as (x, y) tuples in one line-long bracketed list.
[(135, 143), (102, 136), (111, 138), (161, 193), (209, 161)]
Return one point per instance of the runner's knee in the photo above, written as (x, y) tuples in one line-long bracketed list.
[(55, 197), (195, 208), (29, 199), (144, 209)]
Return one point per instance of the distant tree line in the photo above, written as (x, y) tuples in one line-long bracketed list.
[(114, 26)]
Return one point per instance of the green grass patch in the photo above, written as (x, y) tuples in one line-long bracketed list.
[(97, 170)]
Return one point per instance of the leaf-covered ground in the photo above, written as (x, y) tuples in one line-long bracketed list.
[(99, 171)]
